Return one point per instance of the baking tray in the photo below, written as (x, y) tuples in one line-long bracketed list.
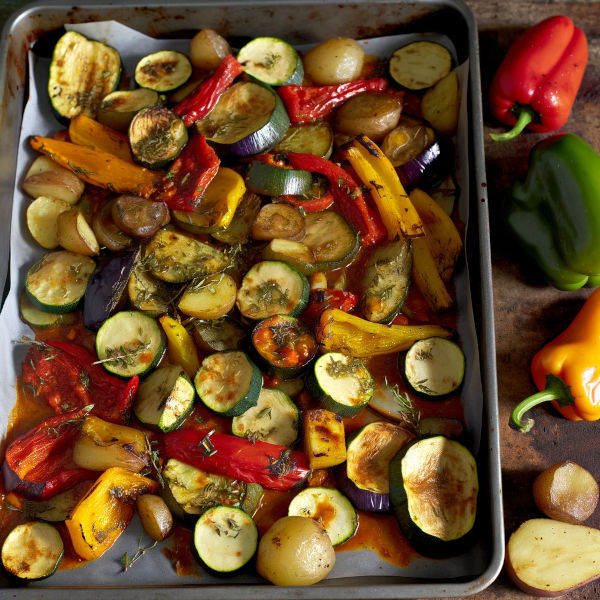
[(299, 22)]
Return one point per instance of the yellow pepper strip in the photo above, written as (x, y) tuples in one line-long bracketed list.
[(377, 172), (339, 331), (442, 237), (104, 512), (218, 204), (98, 168), (84, 131), (427, 278), (180, 345)]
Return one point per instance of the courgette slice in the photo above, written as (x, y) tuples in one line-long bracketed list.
[(333, 241), (32, 550), (284, 345), (272, 180), (434, 366), (82, 72), (386, 280), (130, 343), (149, 294), (228, 383), (57, 282), (274, 419), (433, 491), (297, 254), (272, 288), (272, 61), (226, 538), (156, 136), (163, 71), (41, 319), (315, 138), (420, 65), (119, 107), (341, 384), (165, 398), (330, 508)]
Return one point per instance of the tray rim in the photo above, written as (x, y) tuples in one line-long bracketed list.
[(486, 334)]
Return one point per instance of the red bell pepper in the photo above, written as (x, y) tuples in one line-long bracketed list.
[(348, 196), (183, 186), (39, 463), (272, 466), (536, 83), (314, 204), (305, 103), (322, 299), (203, 99), (64, 375)]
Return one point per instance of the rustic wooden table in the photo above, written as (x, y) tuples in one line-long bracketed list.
[(528, 313)]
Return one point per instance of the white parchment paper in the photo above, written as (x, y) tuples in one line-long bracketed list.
[(155, 568)]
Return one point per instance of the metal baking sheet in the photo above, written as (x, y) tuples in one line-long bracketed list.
[(299, 22)]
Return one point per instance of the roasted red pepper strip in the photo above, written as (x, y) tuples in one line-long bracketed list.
[(322, 299), (348, 196), (310, 204), (203, 99), (536, 83), (272, 466), (305, 103), (39, 463), (63, 374), (190, 173)]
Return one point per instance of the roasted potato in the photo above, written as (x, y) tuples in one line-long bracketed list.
[(207, 49), (295, 551), (566, 492), (155, 516), (74, 233), (46, 178), (337, 60), (278, 221), (42, 217), (440, 104)]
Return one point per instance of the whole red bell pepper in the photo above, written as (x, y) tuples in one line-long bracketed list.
[(203, 99), (536, 83), (39, 463), (307, 103), (347, 194), (272, 466), (184, 184), (64, 375)]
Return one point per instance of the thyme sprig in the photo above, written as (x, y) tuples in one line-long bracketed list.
[(408, 412), (154, 456), (128, 561)]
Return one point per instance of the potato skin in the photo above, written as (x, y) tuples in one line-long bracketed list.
[(155, 516), (295, 551), (334, 61), (566, 492)]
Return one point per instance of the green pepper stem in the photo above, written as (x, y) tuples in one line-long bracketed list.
[(524, 117)]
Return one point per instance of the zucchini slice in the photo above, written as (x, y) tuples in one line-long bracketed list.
[(330, 508), (239, 229), (433, 491), (420, 65), (156, 136), (226, 538), (211, 297), (82, 72), (148, 294), (434, 366), (130, 343), (272, 180), (386, 280), (314, 138), (119, 107), (165, 398), (176, 258), (249, 117), (41, 319), (57, 282), (272, 61), (228, 383), (218, 335), (272, 288), (163, 71), (297, 254), (341, 384), (274, 419), (32, 550), (331, 238), (369, 452), (285, 345)]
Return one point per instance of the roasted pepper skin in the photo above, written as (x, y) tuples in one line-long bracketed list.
[(567, 370), (554, 213), (539, 77)]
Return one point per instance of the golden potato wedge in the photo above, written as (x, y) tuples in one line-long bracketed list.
[(548, 558), (566, 492), (440, 104), (210, 298), (75, 234), (155, 516), (42, 217), (46, 178)]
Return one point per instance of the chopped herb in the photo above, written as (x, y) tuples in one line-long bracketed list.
[(154, 456), (279, 467), (410, 415), (128, 561)]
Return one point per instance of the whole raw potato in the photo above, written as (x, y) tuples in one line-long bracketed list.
[(295, 551)]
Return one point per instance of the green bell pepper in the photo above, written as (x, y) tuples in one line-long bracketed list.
[(555, 212)]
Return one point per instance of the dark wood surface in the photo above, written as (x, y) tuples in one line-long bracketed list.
[(527, 312)]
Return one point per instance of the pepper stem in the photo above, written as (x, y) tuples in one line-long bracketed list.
[(556, 389), (524, 117)]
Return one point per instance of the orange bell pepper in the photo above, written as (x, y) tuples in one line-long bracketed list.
[(567, 370)]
